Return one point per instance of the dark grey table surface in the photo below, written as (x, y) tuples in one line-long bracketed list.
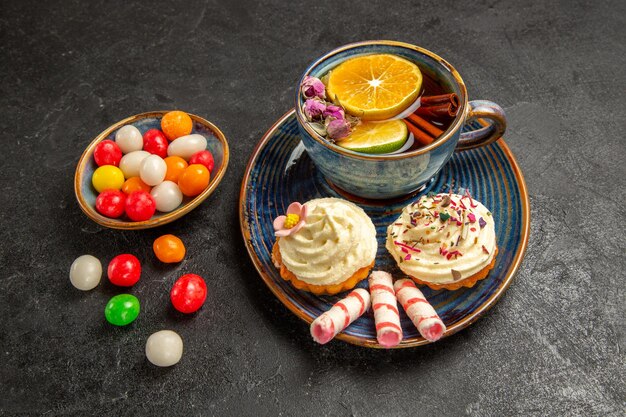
[(553, 345)]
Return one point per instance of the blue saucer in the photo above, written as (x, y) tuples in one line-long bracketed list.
[(280, 172)]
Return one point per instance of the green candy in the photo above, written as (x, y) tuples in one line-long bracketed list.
[(122, 309), (444, 216)]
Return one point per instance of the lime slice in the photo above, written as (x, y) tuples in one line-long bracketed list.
[(376, 137)]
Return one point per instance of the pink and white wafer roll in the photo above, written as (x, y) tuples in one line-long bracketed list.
[(385, 306), (326, 326), (419, 310)]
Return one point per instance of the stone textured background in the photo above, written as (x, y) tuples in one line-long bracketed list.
[(553, 345)]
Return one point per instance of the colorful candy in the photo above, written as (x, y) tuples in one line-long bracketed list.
[(135, 184), (122, 309), (194, 179), (186, 146), (152, 170), (155, 142), (175, 166), (131, 162), (129, 139), (176, 124), (188, 293), (107, 177), (124, 270), (169, 249), (111, 203), (167, 196), (203, 158), (164, 348), (328, 325), (419, 310), (107, 153), (385, 306), (140, 206), (85, 272)]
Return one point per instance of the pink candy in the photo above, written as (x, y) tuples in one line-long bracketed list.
[(419, 310), (329, 324), (385, 306)]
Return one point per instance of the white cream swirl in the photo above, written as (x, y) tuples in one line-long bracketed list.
[(442, 251), (337, 240)]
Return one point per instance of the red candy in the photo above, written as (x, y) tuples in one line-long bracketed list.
[(140, 206), (188, 293), (124, 270), (107, 153), (111, 203), (203, 158), (155, 142)]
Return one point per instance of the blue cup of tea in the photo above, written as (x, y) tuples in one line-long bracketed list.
[(394, 175)]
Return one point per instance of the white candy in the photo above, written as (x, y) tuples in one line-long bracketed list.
[(186, 146), (152, 170), (167, 196), (85, 272), (164, 348), (129, 139), (131, 162)]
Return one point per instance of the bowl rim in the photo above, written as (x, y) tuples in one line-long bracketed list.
[(90, 211), (448, 134)]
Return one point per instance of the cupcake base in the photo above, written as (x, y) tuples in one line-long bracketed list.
[(468, 282), (346, 285)]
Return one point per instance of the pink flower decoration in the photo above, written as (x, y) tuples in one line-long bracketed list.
[(333, 111), (312, 87), (338, 129), (295, 209), (313, 109)]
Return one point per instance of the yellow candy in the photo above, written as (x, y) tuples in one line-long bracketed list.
[(107, 177), (291, 221)]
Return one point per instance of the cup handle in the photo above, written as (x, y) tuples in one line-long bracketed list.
[(482, 109)]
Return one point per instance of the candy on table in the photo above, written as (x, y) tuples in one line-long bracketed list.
[(85, 272), (419, 310), (186, 146), (111, 203), (135, 184), (122, 309), (204, 158), (194, 179), (140, 206), (107, 153), (131, 162), (152, 170), (107, 177), (155, 142), (167, 196), (385, 306), (175, 166), (329, 324), (164, 348), (169, 249), (188, 293), (129, 139), (176, 124), (124, 270)]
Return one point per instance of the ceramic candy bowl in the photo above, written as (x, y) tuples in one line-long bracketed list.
[(86, 193)]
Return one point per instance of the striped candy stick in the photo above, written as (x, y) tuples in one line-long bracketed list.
[(385, 306), (419, 310), (326, 326)]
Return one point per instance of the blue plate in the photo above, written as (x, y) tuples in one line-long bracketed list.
[(280, 172)]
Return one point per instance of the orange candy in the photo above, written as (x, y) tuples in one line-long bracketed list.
[(176, 124), (193, 180), (169, 249), (175, 166), (135, 184)]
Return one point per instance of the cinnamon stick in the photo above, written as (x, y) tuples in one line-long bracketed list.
[(438, 111), (425, 125), (419, 135), (451, 98)]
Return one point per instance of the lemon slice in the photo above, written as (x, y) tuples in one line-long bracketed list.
[(375, 87), (376, 137)]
